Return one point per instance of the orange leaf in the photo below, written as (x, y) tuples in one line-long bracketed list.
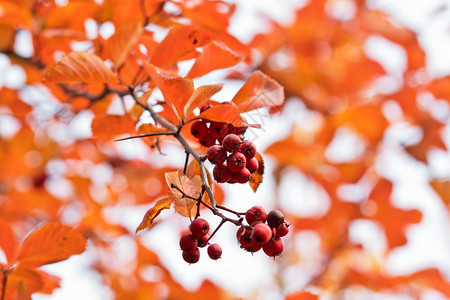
[(119, 44), (8, 242), (149, 128), (259, 91), (52, 242), (80, 67), (213, 57), (179, 42), (109, 126), (303, 295), (227, 113), (200, 96), (186, 186), (257, 177), (153, 212), (442, 188), (176, 91)]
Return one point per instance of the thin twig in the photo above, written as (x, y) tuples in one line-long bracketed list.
[(146, 135), (186, 162)]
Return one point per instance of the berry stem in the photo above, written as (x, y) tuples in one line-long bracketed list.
[(186, 162), (215, 230)]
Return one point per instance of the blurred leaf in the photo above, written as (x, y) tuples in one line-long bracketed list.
[(120, 43), (153, 212), (442, 188), (257, 176), (8, 242), (303, 295), (109, 126), (80, 67)]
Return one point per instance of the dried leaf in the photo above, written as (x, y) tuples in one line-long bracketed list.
[(257, 176), (109, 126), (80, 67), (51, 243), (259, 91), (153, 212), (183, 184)]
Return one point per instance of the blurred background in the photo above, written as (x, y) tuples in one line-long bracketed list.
[(357, 157)]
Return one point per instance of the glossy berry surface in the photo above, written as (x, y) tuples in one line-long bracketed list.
[(242, 176), (199, 228), (283, 230), (191, 256), (231, 142), (214, 251), (248, 149), (188, 242), (221, 173), (244, 236), (236, 161), (199, 129), (275, 218), (255, 214), (274, 248), (261, 233), (216, 154), (252, 165)]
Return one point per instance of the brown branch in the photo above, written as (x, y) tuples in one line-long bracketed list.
[(146, 135)]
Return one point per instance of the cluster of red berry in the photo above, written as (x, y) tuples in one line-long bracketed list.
[(261, 235), (198, 238)]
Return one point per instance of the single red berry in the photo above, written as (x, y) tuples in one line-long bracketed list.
[(275, 218), (254, 248), (231, 142), (221, 173), (205, 107), (282, 230), (252, 165), (244, 236), (188, 242), (199, 129), (218, 129), (261, 233), (214, 251), (274, 247), (191, 256), (199, 227), (242, 176), (248, 149), (254, 214), (216, 154), (202, 242), (207, 140), (236, 161)]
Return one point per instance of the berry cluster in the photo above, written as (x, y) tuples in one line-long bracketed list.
[(198, 238), (264, 231)]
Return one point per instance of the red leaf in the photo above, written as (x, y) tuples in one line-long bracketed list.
[(153, 212), (259, 91), (52, 242), (80, 67), (227, 113), (213, 57)]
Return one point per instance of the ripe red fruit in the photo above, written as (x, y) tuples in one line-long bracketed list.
[(214, 251), (252, 165), (275, 218), (207, 140), (248, 149), (221, 173), (231, 142), (203, 241), (199, 228), (282, 230), (218, 129), (236, 161), (199, 129), (191, 256), (244, 236), (274, 247), (254, 248), (242, 176), (216, 154), (254, 214), (188, 242), (205, 107), (261, 233)]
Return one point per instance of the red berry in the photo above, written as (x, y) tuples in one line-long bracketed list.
[(252, 165), (205, 107), (188, 242), (261, 233), (199, 129), (216, 154), (221, 173), (199, 228), (236, 161), (218, 129), (254, 214), (207, 140), (244, 236), (274, 247), (254, 248), (191, 256), (203, 241), (248, 149), (242, 176), (214, 251), (231, 142), (282, 230), (275, 218)]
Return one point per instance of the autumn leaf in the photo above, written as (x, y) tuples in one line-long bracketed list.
[(8, 241), (184, 190), (257, 176), (109, 126), (153, 212), (227, 113), (50, 243), (119, 44), (80, 67), (442, 188), (213, 57), (259, 91), (200, 96), (179, 42), (302, 295)]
